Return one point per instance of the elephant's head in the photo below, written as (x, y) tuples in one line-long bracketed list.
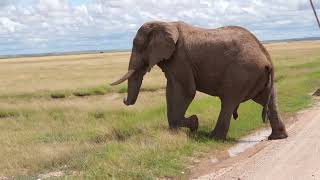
[(154, 42)]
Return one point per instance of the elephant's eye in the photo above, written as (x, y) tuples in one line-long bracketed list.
[(136, 42), (136, 47)]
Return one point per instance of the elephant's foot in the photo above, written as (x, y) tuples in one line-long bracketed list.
[(193, 123), (218, 135), (281, 134)]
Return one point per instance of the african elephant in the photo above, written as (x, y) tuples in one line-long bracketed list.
[(228, 62)]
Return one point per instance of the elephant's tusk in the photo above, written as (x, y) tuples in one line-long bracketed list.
[(124, 78)]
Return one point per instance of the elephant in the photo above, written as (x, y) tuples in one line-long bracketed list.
[(228, 62)]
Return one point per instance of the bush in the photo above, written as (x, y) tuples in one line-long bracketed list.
[(58, 95)]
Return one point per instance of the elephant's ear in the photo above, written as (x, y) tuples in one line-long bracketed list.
[(162, 43)]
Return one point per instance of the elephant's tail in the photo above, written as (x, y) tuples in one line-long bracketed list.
[(269, 86)]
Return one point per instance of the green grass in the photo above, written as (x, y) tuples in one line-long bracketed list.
[(59, 95), (8, 113), (81, 92), (102, 139)]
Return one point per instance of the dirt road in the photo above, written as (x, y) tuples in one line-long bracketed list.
[(295, 158)]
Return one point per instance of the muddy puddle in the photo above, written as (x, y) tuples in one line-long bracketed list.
[(249, 142)]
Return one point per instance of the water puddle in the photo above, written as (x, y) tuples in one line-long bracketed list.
[(243, 144), (249, 142)]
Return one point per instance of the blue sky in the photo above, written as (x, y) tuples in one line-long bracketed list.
[(42, 26)]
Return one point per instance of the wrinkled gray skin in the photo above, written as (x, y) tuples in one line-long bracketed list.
[(227, 62)]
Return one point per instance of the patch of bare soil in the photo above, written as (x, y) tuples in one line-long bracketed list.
[(57, 174), (51, 175)]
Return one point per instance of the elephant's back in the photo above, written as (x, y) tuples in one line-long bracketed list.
[(246, 46), (225, 58), (229, 44), (252, 57), (226, 53)]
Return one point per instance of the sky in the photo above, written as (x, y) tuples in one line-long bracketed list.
[(43, 26)]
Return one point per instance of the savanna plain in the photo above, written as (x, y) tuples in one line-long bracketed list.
[(58, 114)]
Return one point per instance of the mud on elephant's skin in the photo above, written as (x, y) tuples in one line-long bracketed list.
[(227, 62)]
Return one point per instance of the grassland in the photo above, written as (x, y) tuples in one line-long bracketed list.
[(59, 114)]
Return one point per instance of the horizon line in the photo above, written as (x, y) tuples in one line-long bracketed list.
[(62, 53)]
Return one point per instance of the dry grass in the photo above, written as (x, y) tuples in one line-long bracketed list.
[(102, 138), (30, 75)]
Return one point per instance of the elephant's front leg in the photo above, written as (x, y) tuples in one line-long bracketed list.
[(178, 101)]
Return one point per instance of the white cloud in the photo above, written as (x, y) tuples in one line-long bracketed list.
[(53, 5), (9, 26), (59, 25)]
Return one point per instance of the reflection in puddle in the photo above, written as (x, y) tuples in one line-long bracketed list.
[(248, 142)]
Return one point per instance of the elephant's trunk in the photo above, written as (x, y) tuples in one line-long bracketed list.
[(134, 84), (134, 76)]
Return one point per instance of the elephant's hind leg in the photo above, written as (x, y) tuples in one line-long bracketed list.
[(178, 101), (223, 123), (232, 91), (278, 127)]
